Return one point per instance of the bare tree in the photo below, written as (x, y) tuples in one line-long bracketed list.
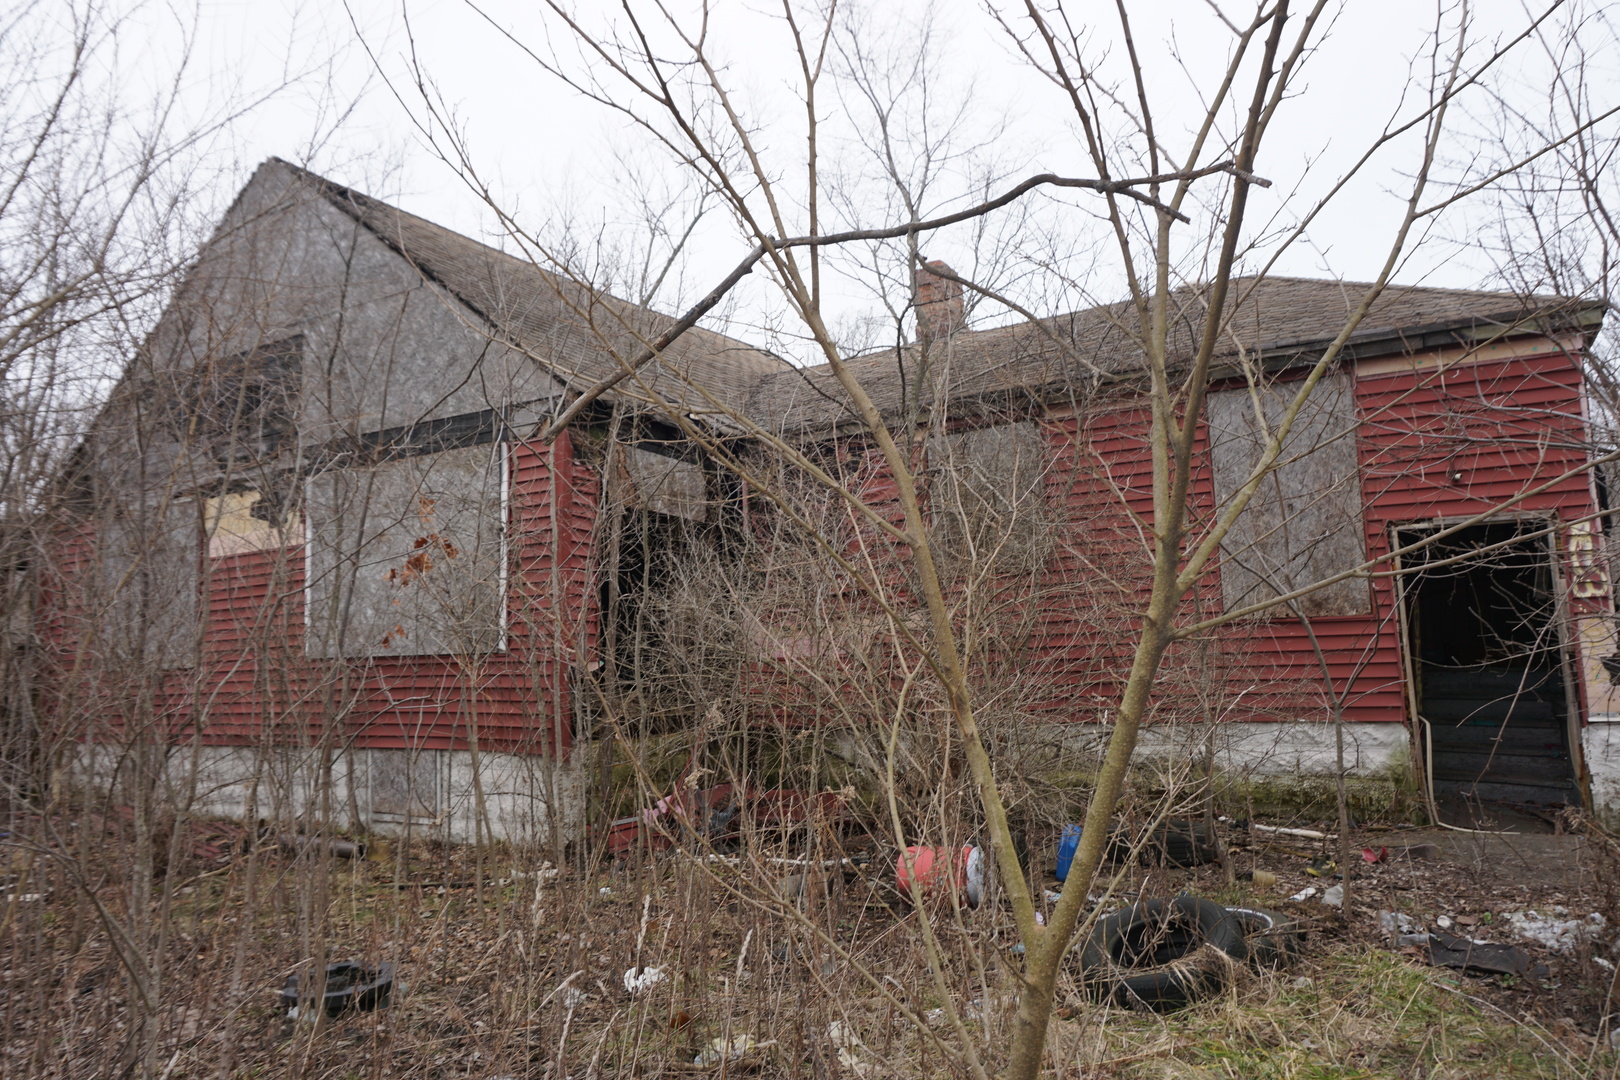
[(1172, 198)]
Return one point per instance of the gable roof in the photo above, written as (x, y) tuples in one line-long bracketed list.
[(575, 331), (572, 329), (1278, 319)]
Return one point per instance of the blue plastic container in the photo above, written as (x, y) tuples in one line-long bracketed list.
[(1066, 849)]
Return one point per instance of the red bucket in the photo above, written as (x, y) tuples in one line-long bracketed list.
[(931, 867)]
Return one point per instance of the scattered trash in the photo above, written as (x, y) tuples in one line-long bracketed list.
[(734, 1049), (921, 869), (338, 849), (848, 1045), (22, 898), (1305, 834), (1466, 954), (1161, 954), (573, 998), (1303, 894), (545, 875), (1263, 879), (1067, 846), (1303, 982), (1178, 842), (1334, 897), (1557, 930), (1444, 922), (604, 891), (934, 1017), (1321, 866), (1368, 855), (1391, 923), (349, 985), (639, 982)]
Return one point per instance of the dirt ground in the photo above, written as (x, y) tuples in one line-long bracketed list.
[(509, 972), (1507, 861)]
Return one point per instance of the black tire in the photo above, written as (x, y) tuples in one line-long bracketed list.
[(1184, 842), (1179, 842), (1143, 956), (1273, 938)]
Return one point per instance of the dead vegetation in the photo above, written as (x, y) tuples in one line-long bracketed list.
[(511, 969)]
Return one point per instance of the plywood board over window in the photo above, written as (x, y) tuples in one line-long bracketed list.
[(406, 557), (147, 581), (666, 485), (1304, 523), (988, 496)]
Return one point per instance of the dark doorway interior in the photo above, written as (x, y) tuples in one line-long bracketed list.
[(1489, 664)]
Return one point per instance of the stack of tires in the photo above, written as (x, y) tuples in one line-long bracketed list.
[(1166, 954)]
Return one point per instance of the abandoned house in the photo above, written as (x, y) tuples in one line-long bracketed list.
[(320, 552)]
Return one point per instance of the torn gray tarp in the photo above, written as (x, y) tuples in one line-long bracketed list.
[(1465, 954)]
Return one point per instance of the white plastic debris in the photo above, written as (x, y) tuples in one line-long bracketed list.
[(573, 998), (604, 891), (1303, 895), (721, 1049), (639, 982), (1444, 922), (1334, 897), (1557, 930), (1397, 922), (849, 1046), (934, 1017)]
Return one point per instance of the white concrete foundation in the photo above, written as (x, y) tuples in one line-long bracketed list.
[(525, 799), (1600, 744), (1301, 748)]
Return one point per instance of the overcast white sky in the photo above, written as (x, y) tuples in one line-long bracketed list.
[(554, 156)]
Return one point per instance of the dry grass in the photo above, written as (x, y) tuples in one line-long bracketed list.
[(512, 976)]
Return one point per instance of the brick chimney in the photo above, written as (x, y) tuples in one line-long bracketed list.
[(938, 301)]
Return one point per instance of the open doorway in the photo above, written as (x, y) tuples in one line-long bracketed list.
[(1488, 659)]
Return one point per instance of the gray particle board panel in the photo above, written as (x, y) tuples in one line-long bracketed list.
[(1304, 524), (406, 557), (146, 583)]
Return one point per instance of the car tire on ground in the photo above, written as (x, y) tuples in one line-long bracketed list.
[(1162, 955), (1273, 938)]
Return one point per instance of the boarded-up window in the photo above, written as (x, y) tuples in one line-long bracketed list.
[(147, 581), (1304, 523), (406, 557), (988, 496), (665, 485)]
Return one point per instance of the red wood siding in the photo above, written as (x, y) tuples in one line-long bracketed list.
[(1507, 427), (255, 683)]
